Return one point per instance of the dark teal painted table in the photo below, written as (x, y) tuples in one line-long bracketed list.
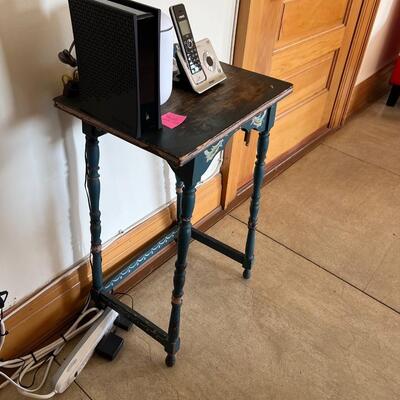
[(247, 101)]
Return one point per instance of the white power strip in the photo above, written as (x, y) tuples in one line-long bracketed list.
[(80, 356)]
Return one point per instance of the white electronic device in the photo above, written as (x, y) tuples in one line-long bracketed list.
[(166, 57), (198, 60), (79, 357)]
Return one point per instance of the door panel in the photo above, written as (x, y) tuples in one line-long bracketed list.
[(296, 125), (302, 41), (292, 57), (303, 18), (289, 130), (313, 79)]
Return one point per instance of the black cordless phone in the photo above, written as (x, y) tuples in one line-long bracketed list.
[(187, 42)]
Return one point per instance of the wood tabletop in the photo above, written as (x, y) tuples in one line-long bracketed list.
[(210, 116)]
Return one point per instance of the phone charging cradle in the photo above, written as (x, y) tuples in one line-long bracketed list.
[(210, 63)]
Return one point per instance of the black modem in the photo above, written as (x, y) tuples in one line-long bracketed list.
[(118, 53)]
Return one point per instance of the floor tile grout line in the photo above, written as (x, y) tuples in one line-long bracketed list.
[(373, 274), (322, 268), (84, 391), (360, 159)]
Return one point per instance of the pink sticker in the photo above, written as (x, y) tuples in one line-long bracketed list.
[(171, 120)]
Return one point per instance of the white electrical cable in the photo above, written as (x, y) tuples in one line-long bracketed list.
[(2, 333), (46, 355)]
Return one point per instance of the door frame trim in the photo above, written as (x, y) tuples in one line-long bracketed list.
[(352, 66)]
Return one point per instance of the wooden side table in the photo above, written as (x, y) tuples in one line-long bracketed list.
[(245, 100)]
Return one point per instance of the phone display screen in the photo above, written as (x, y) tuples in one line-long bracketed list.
[(184, 27)]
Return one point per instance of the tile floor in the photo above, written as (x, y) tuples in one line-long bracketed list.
[(320, 318)]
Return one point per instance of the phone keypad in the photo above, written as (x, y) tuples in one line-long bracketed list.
[(193, 57)]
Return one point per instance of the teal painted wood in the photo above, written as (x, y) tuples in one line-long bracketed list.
[(258, 123), (134, 265), (179, 190), (247, 101), (258, 179), (184, 237), (217, 245), (271, 116), (92, 155), (210, 116), (187, 178), (151, 329), (191, 173)]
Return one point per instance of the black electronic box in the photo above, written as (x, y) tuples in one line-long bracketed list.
[(118, 53)]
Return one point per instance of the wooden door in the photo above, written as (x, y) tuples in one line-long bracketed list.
[(305, 42)]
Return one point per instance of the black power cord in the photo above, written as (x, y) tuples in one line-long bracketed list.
[(71, 84), (3, 299), (66, 56)]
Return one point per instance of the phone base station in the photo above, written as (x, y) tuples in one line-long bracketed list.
[(210, 63)]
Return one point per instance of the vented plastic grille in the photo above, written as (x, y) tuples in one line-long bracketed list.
[(106, 49)]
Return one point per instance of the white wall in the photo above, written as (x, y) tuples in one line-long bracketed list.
[(43, 212), (384, 42)]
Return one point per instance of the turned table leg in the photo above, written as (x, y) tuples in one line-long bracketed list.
[(184, 237), (93, 186), (179, 190), (263, 142)]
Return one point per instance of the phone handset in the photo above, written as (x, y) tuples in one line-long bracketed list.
[(187, 43)]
